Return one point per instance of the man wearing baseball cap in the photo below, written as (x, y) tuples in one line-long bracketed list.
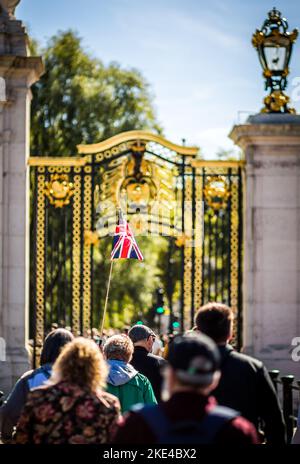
[(143, 360), (190, 415)]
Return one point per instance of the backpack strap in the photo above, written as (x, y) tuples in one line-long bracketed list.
[(185, 432), (155, 418), (214, 421)]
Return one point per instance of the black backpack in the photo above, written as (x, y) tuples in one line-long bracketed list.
[(185, 432)]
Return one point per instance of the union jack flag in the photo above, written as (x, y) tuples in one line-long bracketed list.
[(124, 244)]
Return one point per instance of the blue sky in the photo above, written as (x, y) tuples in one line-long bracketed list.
[(197, 55)]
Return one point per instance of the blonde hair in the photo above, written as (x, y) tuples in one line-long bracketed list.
[(81, 363), (119, 347)]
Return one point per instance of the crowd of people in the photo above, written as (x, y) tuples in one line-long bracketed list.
[(115, 390)]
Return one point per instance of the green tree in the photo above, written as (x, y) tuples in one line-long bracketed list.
[(79, 100)]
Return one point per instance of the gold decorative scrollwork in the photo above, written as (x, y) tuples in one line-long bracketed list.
[(216, 192), (188, 226), (234, 261), (40, 267), (91, 238), (87, 224), (59, 190), (125, 138), (139, 185), (110, 153), (138, 147), (276, 101), (76, 253), (145, 179), (199, 221), (182, 240)]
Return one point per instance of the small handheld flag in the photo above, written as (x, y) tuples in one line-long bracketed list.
[(124, 247), (124, 244)]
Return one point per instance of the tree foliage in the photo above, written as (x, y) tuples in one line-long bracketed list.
[(80, 100)]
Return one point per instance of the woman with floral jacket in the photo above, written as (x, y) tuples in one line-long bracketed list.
[(72, 408)]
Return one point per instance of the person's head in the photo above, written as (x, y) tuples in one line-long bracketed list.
[(193, 364), (215, 320), (141, 335), (53, 344), (118, 347), (81, 363)]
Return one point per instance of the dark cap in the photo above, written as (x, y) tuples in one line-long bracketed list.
[(195, 358), (140, 332)]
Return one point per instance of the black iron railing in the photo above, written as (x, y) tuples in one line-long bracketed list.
[(287, 389)]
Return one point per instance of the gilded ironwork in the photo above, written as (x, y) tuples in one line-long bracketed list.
[(216, 192), (91, 238), (182, 240), (76, 255), (275, 102), (188, 252), (217, 261), (55, 161), (170, 194), (138, 147), (112, 153), (219, 164), (234, 257), (138, 184), (136, 136), (199, 223), (59, 190), (274, 46), (39, 274), (87, 224)]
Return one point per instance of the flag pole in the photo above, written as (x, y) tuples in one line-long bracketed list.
[(106, 299), (108, 286)]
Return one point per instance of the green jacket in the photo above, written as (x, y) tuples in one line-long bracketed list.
[(128, 385)]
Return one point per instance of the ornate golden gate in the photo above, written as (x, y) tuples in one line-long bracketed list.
[(165, 189)]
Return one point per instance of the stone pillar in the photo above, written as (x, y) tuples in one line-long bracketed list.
[(18, 71), (271, 144)]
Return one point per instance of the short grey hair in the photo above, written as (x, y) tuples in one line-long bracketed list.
[(119, 347)]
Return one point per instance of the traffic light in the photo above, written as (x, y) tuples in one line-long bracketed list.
[(160, 303), (175, 323)]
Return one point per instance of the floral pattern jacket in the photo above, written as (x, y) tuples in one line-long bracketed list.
[(67, 414)]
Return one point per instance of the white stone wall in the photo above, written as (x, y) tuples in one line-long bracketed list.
[(272, 239), (19, 72)]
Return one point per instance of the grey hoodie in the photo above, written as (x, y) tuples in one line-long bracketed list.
[(120, 372)]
